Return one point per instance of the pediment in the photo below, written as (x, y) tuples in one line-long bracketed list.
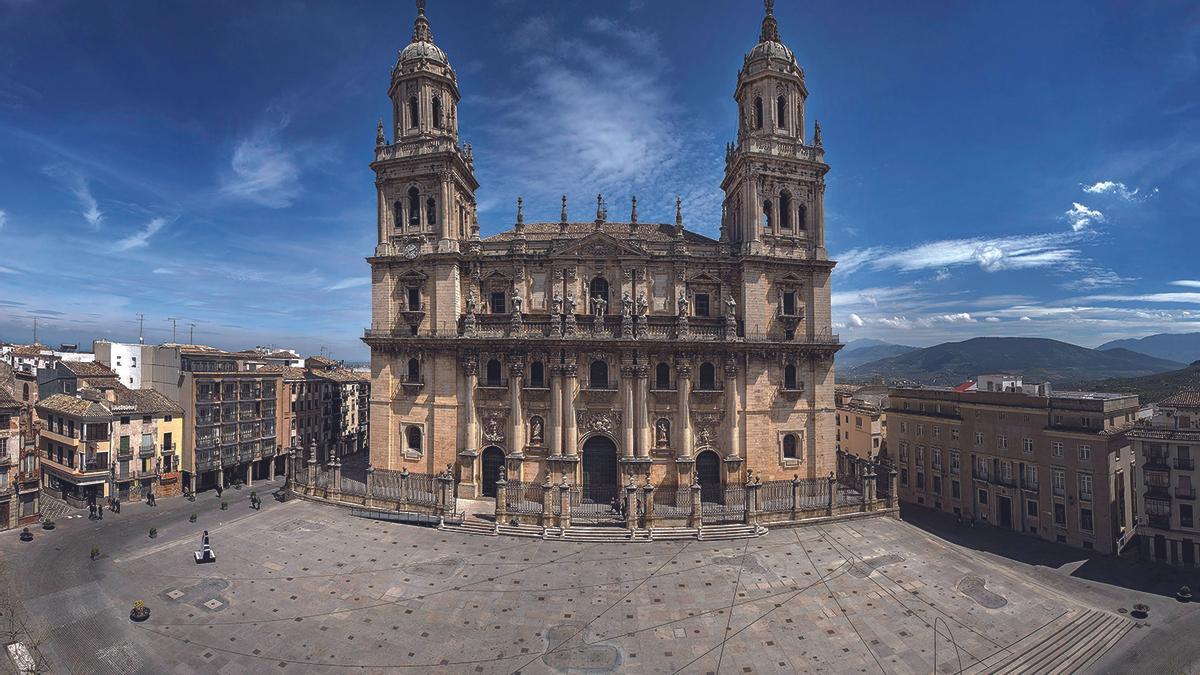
[(599, 245)]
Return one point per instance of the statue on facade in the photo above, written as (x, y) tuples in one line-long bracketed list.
[(662, 433), (599, 306), (556, 303), (817, 134), (642, 304), (682, 304), (536, 431), (570, 304), (472, 303), (730, 306), (626, 304), (518, 303)]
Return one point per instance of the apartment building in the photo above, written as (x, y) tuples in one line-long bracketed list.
[(18, 499), (861, 424), (1056, 465), (98, 444), (1165, 448), (325, 405), (236, 401)]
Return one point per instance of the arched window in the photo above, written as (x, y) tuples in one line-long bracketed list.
[(781, 111), (537, 374), (789, 446), (414, 370), (802, 216), (767, 214), (414, 206), (598, 375), (398, 214), (785, 210), (414, 113), (789, 377), (598, 288), (662, 376), (437, 112), (758, 113), (430, 212), (414, 439), (708, 377), (492, 373)]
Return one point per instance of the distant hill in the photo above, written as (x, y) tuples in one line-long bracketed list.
[(852, 355), (1035, 359), (1182, 347), (1153, 388)]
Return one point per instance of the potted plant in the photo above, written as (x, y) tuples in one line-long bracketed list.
[(95, 552), (47, 524), (192, 518), (1184, 594), (140, 611), (26, 535), (153, 532), (224, 505)]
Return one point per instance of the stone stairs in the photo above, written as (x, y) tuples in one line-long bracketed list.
[(1070, 644)]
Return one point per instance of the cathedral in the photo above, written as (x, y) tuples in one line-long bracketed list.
[(595, 351)]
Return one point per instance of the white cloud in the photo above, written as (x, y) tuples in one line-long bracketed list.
[(856, 320), (77, 183), (1189, 283), (991, 254), (1081, 216), (262, 170), (992, 319), (3, 218), (942, 275), (961, 317), (141, 238), (1188, 298), (1118, 189), (162, 270), (351, 282), (1025, 318)]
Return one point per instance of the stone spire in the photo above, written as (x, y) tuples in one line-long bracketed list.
[(421, 31), (379, 139), (520, 215), (601, 212), (633, 211), (770, 27), (562, 219), (678, 217)]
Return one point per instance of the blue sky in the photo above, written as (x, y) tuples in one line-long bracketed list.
[(1016, 168)]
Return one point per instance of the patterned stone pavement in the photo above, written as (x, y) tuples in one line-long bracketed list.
[(301, 587)]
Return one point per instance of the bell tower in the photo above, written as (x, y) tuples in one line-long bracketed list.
[(425, 180), (774, 181)]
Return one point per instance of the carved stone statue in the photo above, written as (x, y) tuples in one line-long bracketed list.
[(556, 303), (472, 303), (570, 303), (626, 304), (518, 303), (662, 433), (730, 306), (682, 304), (599, 306), (642, 304), (535, 431)]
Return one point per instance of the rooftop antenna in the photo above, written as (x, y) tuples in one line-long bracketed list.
[(141, 322), (35, 330), (191, 333), (173, 320)]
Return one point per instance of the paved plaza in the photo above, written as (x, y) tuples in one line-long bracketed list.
[(305, 587)]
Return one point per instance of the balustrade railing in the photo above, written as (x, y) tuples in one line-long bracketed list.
[(523, 497)]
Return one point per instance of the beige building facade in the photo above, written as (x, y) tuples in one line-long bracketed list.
[(1165, 448), (860, 424), (1053, 465), (595, 350)]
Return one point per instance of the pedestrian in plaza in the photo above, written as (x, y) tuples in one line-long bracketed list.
[(150, 499)]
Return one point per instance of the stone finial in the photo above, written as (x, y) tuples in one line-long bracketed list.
[(633, 211), (770, 27), (563, 216), (520, 214), (816, 134), (379, 140), (421, 31)]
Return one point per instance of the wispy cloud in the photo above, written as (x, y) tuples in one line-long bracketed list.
[(1117, 189), (78, 185), (3, 218), (991, 254), (352, 282), (1185, 298), (1188, 283), (262, 170), (1080, 216), (141, 238)]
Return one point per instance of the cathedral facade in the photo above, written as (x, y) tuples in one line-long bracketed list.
[(592, 350)]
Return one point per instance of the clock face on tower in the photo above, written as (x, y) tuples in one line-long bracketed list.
[(410, 251)]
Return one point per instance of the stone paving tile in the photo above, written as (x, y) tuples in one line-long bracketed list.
[(309, 587)]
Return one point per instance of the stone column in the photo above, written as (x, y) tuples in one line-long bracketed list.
[(648, 501), (627, 412), (893, 495), (631, 519), (221, 477), (731, 409), (755, 205), (868, 487), (370, 484), (833, 495), (335, 480), (403, 500), (751, 515), (271, 468), (250, 473), (564, 495), (683, 420), (570, 432), (516, 372), (696, 518), (549, 495), (645, 426), (556, 410), (471, 375), (501, 500), (797, 497)]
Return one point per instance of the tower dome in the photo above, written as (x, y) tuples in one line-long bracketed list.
[(422, 47), (769, 45)]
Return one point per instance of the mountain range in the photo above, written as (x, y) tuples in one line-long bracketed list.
[(1153, 388), (858, 352), (1035, 359), (1182, 347)]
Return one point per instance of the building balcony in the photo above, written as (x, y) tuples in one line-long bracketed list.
[(146, 450), (1159, 521), (1185, 493), (1185, 463), (1156, 461)]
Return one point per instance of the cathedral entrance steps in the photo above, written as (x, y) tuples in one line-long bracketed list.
[(471, 526), (1068, 644), (608, 534), (731, 531)]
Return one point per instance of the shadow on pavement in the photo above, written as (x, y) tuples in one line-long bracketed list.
[(1125, 572)]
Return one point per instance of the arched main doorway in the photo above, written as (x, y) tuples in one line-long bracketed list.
[(492, 460), (601, 476), (708, 468)]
